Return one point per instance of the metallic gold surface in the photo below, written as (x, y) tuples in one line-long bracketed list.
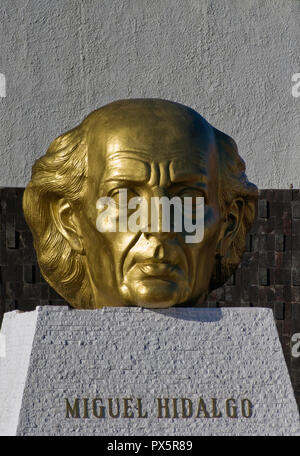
[(152, 148)]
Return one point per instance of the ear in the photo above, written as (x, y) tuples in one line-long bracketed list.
[(232, 223), (67, 224)]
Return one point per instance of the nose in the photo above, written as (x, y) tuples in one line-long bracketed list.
[(160, 221), (158, 238), (157, 245)]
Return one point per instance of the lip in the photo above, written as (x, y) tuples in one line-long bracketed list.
[(157, 269)]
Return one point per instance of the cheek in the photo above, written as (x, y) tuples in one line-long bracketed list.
[(110, 242), (212, 222), (118, 243), (204, 251), (109, 247)]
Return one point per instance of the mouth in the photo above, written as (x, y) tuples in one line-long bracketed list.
[(158, 269)]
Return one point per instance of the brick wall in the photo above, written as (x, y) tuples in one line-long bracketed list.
[(268, 276)]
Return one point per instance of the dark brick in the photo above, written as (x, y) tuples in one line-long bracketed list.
[(3, 205), (254, 294), (283, 225), (279, 327), (219, 294), (53, 294), (231, 280), (266, 259), (27, 304), (212, 304), (264, 276), (28, 273), (11, 237), (295, 295), (26, 239), (282, 293), (259, 242), (31, 291), (248, 258), (296, 259), (288, 242), (19, 194), (296, 209), (14, 257), (296, 234), (296, 195), (266, 194), (44, 302), (295, 317), (279, 242), (13, 290), (283, 195), (44, 291), (270, 242), (12, 273), (263, 209), (11, 204), (296, 277), (38, 276), (283, 276), (283, 260), (61, 302), (279, 310), (229, 294), (9, 305), (295, 367), (21, 224), (296, 238), (265, 226), (29, 255), (248, 245)]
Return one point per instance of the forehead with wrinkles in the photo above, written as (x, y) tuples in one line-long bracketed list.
[(134, 134)]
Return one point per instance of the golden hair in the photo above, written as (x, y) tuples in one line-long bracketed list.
[(61, 173), (233, 184)]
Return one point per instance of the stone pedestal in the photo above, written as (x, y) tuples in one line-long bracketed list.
[(130, 371)]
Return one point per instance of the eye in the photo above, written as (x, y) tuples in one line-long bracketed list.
[(191, 193), (121, 196)]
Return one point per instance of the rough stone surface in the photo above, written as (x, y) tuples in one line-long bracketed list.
[(16, 339), (231, 61), (176, 353)]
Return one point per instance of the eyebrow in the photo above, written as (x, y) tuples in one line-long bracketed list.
[(177, 172), (122, 179), (126, 177), (185, 177), (137, 172), (192, 182), (188, 176)]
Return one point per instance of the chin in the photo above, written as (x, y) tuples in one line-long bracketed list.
[(155, 304), (157, 294)]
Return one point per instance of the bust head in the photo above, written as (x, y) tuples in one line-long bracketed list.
[(152, 148)]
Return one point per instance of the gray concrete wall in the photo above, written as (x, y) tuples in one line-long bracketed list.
[(231, 60)]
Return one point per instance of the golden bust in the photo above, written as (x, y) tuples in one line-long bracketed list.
[(151, 148)]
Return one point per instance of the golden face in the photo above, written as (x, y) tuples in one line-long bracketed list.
[(150, 157), (151, 148)]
